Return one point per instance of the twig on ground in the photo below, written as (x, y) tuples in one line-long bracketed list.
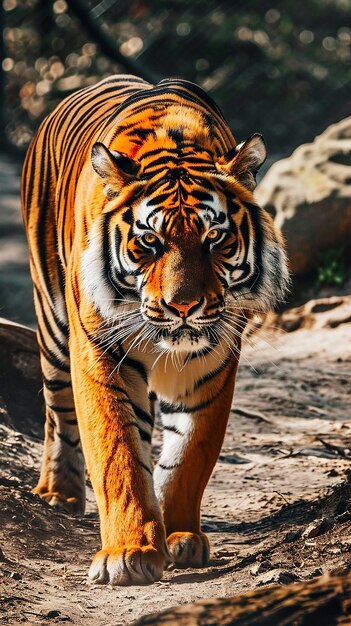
[(345, 453), (256, 415)]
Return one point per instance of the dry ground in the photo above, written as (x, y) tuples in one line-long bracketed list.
[(284, 464)]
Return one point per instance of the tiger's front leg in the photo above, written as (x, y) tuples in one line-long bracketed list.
[(193, 436), (115, 427)]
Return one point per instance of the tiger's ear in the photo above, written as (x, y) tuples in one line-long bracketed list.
[(244, 161), (117, 170)]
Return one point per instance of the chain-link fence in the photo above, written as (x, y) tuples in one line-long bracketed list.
[(279, 68)]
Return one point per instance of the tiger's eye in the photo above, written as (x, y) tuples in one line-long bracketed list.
[(149, 238), (214, 234)]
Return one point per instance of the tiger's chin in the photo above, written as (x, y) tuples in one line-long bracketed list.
[(186, 341)]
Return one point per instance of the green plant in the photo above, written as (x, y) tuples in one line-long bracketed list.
[(332, 270)]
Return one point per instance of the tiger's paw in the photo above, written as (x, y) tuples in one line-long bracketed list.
[(189, 549), (128, 566), (75, 505)]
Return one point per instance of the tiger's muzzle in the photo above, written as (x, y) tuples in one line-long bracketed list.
[(185, 326)]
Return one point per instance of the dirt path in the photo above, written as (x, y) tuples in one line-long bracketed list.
[(285, 448)]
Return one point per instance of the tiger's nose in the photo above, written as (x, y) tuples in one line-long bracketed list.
[(182, 309)]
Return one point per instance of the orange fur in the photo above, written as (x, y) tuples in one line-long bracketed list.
[(112, 162)]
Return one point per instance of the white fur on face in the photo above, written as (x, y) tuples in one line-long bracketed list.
[(184, 344), (95, 284), (212, 211), (143, 212)]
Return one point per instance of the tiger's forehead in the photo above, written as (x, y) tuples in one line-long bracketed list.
[(172, 133), (206, 212)]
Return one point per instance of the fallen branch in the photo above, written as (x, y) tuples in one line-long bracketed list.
[(256, 415), (325, 601)]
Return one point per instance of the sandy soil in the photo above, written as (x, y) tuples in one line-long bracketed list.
[(287, 448)]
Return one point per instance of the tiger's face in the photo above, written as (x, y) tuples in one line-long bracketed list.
[(183, 251), (189, 244)]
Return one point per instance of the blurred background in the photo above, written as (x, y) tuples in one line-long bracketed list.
[(282, 69)]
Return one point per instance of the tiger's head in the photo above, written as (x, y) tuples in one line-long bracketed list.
[(181, 234)]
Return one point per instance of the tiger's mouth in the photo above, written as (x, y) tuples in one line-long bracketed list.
[(185, 338), (185, 333)]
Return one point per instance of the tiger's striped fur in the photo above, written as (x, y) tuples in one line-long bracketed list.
[(147, 254)]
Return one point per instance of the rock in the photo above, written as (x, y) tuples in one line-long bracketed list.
[(309, 194), (277, 576), (21, 398), (317, 527), (262, 567), (340, 570), (16, 576), (316, 572), (319, 313), (3, 558), (292, 535)]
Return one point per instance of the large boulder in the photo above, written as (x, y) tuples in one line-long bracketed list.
[(21, 397), (309, 194)]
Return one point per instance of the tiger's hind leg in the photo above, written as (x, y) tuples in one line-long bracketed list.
[(62, 477)]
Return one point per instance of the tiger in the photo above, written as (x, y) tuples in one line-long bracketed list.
[(148, 255)]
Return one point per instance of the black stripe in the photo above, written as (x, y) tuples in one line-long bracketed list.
[(73, 470), (193, 87), (184, 90), (106, 249), (165, 159), (42, 197), (141, 414), (168, 467), (158, 199), (145, 467), (168, 408), (93, 340), (210, 375), (55, 384), (200, 353), (255, 282), (60, 409), (137, 366), (51, 357), (67, 440), (123, 401), (177, 135), (144, 436), (173, 429), (125, 566)]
